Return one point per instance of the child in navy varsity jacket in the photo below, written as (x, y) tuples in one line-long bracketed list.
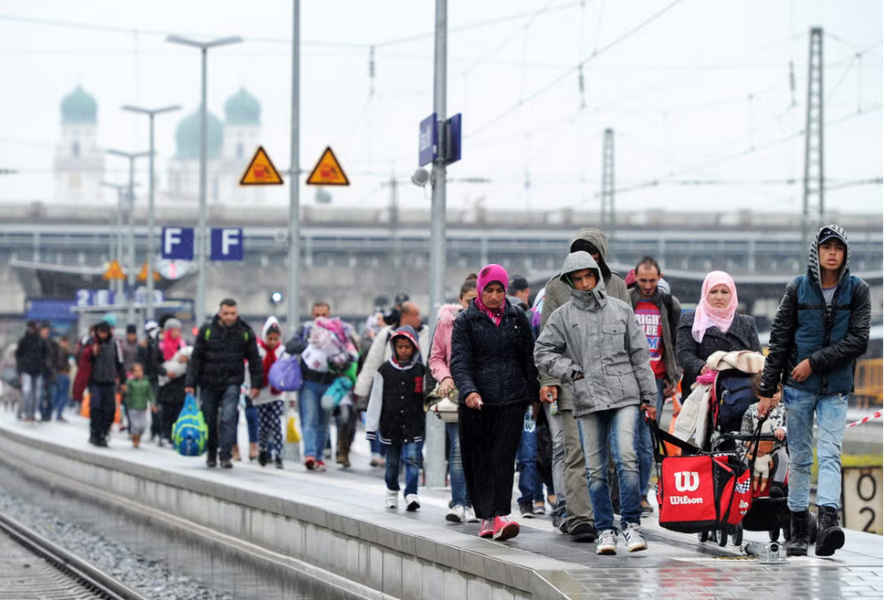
[(395, 416)]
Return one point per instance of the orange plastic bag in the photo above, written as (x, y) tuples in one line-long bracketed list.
[(84, 404), (677, 407), (117, 415)]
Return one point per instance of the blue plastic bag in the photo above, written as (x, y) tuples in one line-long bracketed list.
[(190, 432)]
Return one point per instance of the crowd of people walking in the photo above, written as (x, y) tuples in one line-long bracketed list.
[(562, 386)]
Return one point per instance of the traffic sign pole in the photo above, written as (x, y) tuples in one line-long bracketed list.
[(435, 472), (295, 176)]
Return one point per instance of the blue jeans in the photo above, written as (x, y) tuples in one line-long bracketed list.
[(225, 401), (612, 429), (314, 420), (62, 387), (527, 457), (409, 453), (831, 412), (252, 423), (456, 468), (47, 400), (660, 404), (32, 393), (644, 452)]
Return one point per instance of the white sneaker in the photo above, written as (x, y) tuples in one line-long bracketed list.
[(470, 515), (635, 541), (391, 499), (456, 514), (412, 503), (607, 542)]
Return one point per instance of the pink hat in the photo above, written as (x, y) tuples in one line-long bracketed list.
[(490, 274)]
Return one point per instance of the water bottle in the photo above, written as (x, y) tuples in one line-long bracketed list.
[(529, 425), (554, 405)]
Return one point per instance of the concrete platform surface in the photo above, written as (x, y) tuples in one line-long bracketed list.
[(675, 566)]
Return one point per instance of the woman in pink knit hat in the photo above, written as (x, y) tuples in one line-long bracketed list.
[(494, 371)]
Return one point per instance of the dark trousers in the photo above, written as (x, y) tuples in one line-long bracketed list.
[(169, 412), (220, 406), (102, 406), (489, 440)]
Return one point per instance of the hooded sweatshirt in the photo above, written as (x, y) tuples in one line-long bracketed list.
[(268, 358), (594, 345), (558, 293), (831, 335), (379, 352), (396, 407), (441, 346)]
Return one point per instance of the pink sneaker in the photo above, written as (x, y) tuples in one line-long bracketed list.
[(505, 529), (487, 529)]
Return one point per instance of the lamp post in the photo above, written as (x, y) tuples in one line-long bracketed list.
[(130, 264), (117, 249), (202, 241), (150, 245)]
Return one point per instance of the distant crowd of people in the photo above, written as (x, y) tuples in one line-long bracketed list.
[(561, 390)]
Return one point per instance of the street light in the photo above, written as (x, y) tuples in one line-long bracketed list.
[(130, 301), (201, 245), (150, 245)]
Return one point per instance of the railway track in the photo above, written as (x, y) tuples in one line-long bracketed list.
[(32, 567)]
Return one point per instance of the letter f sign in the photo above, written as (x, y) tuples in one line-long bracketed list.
[(687, 481), (178, 243)]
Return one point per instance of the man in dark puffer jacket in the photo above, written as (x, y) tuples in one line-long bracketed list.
[(216, 365), (822, 327)]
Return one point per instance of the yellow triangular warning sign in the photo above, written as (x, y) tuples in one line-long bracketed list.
[(328, 171), (114, 272), (261, 171), (142, 275)]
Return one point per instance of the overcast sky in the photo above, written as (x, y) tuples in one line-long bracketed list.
[(695, 91)]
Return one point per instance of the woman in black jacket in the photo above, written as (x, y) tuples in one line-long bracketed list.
[(494, 371), (713, 326)]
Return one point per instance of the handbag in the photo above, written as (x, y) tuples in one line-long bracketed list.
[(285, 374), (699, 491), (444, 407)]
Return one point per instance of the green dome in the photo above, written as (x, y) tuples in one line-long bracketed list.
[(187, 137), (78, 107), (242, 109)]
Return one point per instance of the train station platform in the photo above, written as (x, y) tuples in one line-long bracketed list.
[(333, 526)]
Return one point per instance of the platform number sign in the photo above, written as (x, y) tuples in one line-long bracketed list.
[(862, 498)]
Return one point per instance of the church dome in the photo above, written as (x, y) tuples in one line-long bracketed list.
[(242, 109), (187, 137), (79, 107)]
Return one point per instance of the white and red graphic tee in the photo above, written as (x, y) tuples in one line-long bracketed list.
[(648, 316)]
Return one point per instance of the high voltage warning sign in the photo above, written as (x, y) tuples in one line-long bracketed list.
[(261, 171), (328, 171)]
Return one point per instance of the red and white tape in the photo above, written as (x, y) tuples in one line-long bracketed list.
[(875, 415)]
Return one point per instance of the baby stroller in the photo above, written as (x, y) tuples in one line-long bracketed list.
[(731, 394)]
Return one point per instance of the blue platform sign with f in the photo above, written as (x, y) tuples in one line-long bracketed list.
[(178, 243), (227, 243)]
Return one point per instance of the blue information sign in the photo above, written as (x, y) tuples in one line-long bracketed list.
[(178, 243), (227, 243), (453, 139), (428, 141)]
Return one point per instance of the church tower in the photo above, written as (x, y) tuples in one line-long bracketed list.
[(79, 162)]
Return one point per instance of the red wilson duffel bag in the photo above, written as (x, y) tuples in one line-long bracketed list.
[(703, 492)]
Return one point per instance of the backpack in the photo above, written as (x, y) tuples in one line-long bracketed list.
[(190, 432), (732, 396), (285, 373)]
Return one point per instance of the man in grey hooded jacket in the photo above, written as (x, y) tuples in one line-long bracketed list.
[(594, 345)]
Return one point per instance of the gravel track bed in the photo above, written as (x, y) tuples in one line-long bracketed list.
[(150, 577)]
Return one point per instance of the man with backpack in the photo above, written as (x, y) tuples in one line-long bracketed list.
[(821, 328), (217, 366), (657, 314)]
